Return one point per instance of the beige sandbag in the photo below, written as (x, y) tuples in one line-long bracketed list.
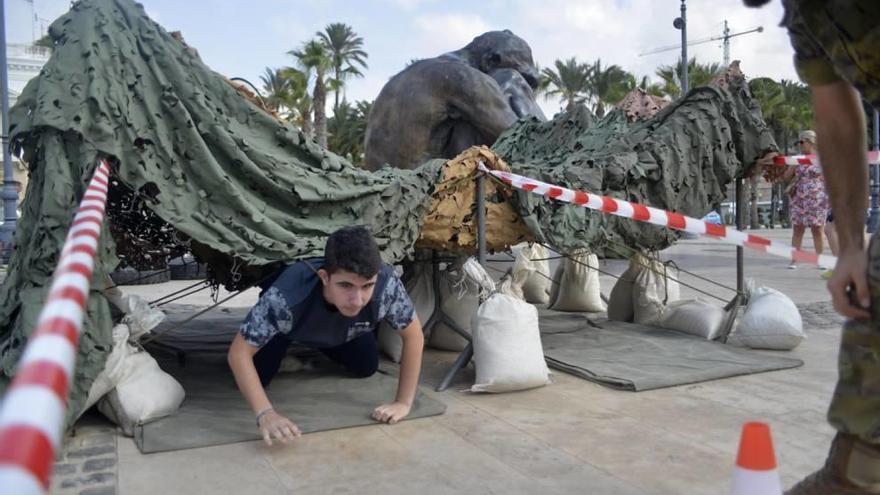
[(576, 284), (418, 282), (536, 289), (141, 391), (654, 288), (695, 317), (620, 301), (459, 299), (771, 320), (507, 345)]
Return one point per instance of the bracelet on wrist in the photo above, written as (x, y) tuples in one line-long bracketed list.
[(263, 413)]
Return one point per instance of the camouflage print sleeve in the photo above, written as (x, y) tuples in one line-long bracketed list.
[(396, 307), (810, 60), (269, 317)]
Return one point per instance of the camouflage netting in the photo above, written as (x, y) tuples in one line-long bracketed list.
[(201, 157), (198, 166), (681, 159)]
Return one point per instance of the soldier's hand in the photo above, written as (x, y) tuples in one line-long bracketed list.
[(849, 285), (274, 425)]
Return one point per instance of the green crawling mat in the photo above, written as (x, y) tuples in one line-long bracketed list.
[(633, 357), (215, 413)]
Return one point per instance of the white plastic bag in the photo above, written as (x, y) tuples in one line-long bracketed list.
[(695, 317), (536, 289), (507, 346), (420, 287), (770, 321), (654, 288), (576, 284), (140, 317)]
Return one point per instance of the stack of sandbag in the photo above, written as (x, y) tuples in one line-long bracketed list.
[(507, 344), (459, 299), (694, 316), (419, 284), (649, 285), (654, 288), (132, 389), (770, 321), (620, 301), (575, 284), (535, 287)]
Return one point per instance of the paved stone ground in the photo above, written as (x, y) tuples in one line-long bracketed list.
[(88, 463)]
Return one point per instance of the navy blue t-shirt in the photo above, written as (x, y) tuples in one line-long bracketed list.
[(294, 305)]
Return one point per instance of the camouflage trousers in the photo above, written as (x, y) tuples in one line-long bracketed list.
[(855, 407)]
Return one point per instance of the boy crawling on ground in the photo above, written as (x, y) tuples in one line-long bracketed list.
[(333, 304)]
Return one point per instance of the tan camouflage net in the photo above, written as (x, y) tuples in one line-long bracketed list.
[(451, 222)]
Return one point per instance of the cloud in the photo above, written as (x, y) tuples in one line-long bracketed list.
[(441, 33), (409, 5)]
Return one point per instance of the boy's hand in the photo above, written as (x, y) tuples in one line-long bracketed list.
[(391, 413), (274, 425)]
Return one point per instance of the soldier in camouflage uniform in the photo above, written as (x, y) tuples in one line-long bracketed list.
[(837, 51)]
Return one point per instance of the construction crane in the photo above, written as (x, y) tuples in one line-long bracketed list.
[(725, 37)]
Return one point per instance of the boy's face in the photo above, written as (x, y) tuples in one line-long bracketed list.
[(348, 291)]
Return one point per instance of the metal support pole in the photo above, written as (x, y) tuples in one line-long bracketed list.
[(874, 216), (739, 226), (681, 23), (481, 220), (465, 357), (10, 193)]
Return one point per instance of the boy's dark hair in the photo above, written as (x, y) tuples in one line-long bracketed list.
[(352, 249)]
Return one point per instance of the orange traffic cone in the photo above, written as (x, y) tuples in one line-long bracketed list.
[(755, 472)]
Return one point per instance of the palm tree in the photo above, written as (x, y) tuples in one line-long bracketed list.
[(314, 58), (609, 85), (347, 129), (698, 75), (275, 89), (570, 81), (286, 93), (346, 52)]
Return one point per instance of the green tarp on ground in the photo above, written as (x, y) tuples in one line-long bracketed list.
[(229, 176)]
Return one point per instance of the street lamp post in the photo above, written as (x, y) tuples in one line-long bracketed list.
[(874, 215), (10, 193), (681, 23)]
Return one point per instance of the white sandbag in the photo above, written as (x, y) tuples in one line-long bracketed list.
[(654, 288), (459, 298), (620, 301), (113, 367), (536, 289), (507, 346), (419, 285), (695, 317), (770, 321), (145, 393), (575, 284)]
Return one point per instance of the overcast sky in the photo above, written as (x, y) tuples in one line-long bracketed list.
[(244, 37)]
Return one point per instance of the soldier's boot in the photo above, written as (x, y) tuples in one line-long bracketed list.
[(852, 468)]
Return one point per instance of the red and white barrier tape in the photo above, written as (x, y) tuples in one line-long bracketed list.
[(663, 218), (32, 412), (873, 159)]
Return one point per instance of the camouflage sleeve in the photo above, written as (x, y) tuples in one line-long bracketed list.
[(810, 59), (269, 317), (396, 307)]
